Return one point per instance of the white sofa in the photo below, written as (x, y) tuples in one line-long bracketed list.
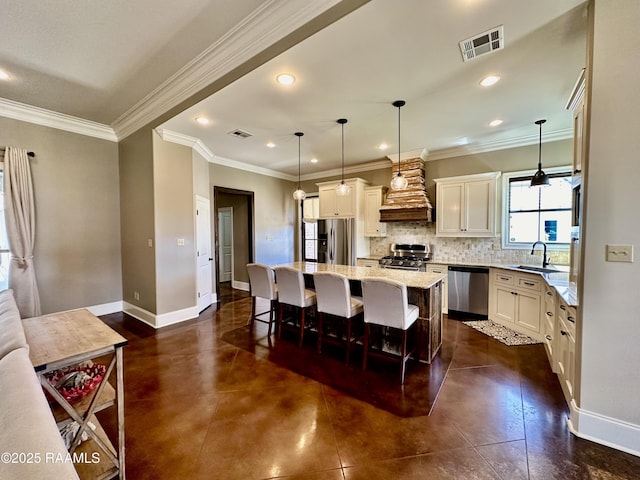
[(30, 444)]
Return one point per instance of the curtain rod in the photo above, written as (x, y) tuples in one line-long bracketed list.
[(30, 154)]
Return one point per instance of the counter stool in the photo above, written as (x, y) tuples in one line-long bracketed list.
[(386, 304), (291, 291), (334, 298), (262, 285)]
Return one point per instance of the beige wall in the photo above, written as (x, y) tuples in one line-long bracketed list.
[(137, 220), (77, 244), (274, 216), (174, 208)]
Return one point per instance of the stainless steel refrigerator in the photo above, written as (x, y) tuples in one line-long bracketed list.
[(336, 241)]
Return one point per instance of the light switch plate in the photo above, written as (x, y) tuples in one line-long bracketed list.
[(620, 253)]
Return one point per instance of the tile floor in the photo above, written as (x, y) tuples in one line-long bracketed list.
[(200, 407)]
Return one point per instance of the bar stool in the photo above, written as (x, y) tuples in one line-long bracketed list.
[(291, 291), (334, 298), (262, 285), (386, 304)]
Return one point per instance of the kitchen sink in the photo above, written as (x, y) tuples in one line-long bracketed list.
[(538, 269)]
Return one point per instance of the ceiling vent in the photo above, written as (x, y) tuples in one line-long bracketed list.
[(240, 133), (482, 43)]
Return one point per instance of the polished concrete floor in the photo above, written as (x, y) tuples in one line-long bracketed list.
[(207, 399)]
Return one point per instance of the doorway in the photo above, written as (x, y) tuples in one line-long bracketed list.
[(225, 224), (234, 226)]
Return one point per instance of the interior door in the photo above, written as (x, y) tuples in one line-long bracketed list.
[(225, 225), (203, 249)]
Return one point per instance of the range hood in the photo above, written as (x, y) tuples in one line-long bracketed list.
[(411, 204)]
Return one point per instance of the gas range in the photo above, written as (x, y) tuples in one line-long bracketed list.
[(405, 256)]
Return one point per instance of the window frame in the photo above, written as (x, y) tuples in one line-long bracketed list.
[(506, 178)]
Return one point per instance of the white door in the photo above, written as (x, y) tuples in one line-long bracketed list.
[(203, 251), (225, 231)]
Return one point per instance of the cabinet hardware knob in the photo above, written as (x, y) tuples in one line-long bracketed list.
[(549, 293), (550, 314), (563, 332), (548, 337), (529, 284), (562, 307), (504, 278), (571, 319)]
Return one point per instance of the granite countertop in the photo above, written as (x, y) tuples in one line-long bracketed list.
[(411, 279)]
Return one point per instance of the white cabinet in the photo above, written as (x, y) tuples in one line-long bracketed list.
[(367, 262), (566, 333), (373, 198), (444, 270), (577, 105), (311, 209), (348, 206), (549, 324), (515, 301), (466, 206)]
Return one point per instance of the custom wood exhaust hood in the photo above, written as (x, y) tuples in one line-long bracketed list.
[(411, 204)]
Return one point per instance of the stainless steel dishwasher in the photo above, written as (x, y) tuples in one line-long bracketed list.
[(468, 292)]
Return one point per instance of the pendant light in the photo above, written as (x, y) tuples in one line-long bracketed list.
[(299, 193), (540, 179), (342, 189), (399, 182)]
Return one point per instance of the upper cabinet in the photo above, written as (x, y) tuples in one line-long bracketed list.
[(373, 198), (348, 206), (310, 209), (466, 206), (577, 105)]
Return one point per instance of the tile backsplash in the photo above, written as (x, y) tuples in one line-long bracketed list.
[(472, 250)]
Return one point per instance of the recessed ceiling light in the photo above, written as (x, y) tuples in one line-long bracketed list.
[(490, 80), (495, 123), (271, 145), (286, 79), (4, 75), (383, 146), (202, 120), (314, 160)]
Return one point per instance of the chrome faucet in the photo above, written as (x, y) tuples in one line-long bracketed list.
[(545, 261)]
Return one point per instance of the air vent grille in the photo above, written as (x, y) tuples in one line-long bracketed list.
[(483, 43), (240, 133)]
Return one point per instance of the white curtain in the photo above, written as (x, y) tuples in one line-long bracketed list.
[(21, 222)]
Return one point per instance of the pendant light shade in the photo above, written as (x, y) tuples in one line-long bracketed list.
[(399, 181), (342, 189), (540, 179), (299, 193)]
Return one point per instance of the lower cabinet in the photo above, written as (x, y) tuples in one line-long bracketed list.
[(515, 300), (443, 270), (549, 321), (367, 262), (566, 348)]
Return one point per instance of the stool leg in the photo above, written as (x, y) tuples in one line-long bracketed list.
[(253, 312), (366, 346), (271, 306), (302, 313), (348, 340), (319, 332), (279, 317), (403, 356)]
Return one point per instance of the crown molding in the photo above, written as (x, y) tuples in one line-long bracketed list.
[(410, 154), (492, 146), (202, 149), (60, 121), (269, 23), (363, 167)]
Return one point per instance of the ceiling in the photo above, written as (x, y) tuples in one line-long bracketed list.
[(98, 60)]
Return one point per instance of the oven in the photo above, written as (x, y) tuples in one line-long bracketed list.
[(407, 256)]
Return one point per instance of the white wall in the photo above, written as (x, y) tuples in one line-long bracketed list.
[(609, 406)]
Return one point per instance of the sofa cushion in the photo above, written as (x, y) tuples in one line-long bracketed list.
[(11, 331), (28, 427)]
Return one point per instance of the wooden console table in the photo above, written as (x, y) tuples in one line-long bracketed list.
[(61, 340)]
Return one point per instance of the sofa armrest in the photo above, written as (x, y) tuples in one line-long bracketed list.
[(29, 431)]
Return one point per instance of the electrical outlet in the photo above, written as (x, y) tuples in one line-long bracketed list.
[(136, 295), (150, 242), (181, 242), (496, 246), (619, 253)]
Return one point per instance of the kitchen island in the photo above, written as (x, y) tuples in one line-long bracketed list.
[(423, 289)]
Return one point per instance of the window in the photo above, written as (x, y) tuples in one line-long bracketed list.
[(310, 231), (532, 214), (5, 256)]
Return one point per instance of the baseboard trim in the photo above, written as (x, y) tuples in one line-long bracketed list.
[(605, 430), (162, 320), (240, 285)]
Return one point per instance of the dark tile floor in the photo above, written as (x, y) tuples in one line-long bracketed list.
[(202, 407)]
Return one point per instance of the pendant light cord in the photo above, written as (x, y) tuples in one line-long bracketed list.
[(399, 141), (342, 151), (540, 148), (299, 161)]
